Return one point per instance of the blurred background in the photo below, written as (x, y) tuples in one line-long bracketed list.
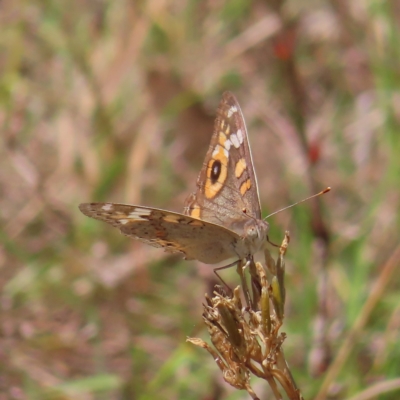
[(114, 101)]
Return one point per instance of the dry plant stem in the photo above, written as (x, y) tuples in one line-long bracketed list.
[(255, 284), (247, 340), (240, 270), (282, 364), (375, 295), (377, 389), (273, 385)]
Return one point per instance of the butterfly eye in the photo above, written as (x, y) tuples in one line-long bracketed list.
[(215, 171)]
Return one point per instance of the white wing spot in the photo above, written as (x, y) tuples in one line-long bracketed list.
[(107, 207), (232, 111), (227, 144), (124, 221), (139, 213), (218, 149), (235, 141), (239, 135)]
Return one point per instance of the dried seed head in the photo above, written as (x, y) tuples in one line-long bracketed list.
[(247, 340)]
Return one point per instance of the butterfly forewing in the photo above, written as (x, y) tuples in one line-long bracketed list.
[(227, 190)]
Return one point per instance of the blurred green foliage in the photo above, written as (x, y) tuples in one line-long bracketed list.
[(115, 101)]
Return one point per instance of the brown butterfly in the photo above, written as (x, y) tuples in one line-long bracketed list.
[(222, 219)]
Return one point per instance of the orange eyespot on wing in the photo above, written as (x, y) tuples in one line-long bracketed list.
[(217, 171)]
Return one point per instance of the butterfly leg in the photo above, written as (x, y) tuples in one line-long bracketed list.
[(240, 269), (272, 243), (219, 276)]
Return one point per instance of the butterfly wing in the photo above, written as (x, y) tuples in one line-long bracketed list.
[(176, 233), (226, 186)]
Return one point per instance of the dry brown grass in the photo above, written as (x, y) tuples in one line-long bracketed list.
[(114, 101)]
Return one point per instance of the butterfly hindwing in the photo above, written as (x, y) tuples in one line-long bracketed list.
[(176, 233)]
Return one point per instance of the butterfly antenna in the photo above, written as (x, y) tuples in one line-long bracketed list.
[(301, 201)]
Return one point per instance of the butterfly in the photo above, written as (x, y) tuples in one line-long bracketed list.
[(221, 219)]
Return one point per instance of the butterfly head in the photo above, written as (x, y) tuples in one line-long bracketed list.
[(254, 234), (256, 230)]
